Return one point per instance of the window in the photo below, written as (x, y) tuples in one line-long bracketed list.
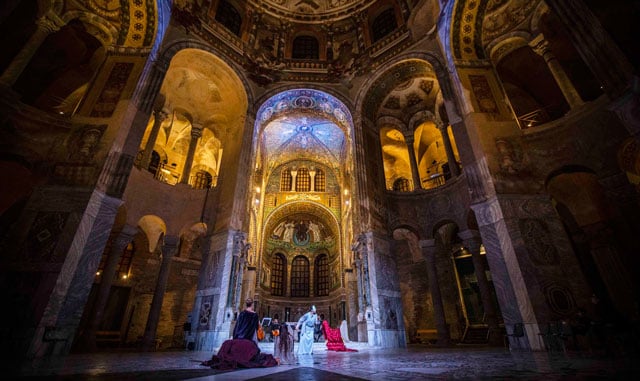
[(124, 264), (384, 24), (320, 182), (278, 273), (228, 15), (202, 180), (322, 275), (401, 185), (285, 180), (303, 180), (305, 47), (300, 277)]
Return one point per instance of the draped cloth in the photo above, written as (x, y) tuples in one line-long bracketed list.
[(334, 339), (240, 353)]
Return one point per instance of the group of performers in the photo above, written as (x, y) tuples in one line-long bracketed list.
[(243, 351)]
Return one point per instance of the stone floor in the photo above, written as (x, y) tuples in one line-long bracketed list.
[(413, 363)]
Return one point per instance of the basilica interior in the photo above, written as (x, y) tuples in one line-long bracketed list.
[(422, 171)]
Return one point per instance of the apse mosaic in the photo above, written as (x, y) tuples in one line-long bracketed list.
[(301, 231)]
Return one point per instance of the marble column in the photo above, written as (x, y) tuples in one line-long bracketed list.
[(120, 242), (196, 133), (472, 242), (598, 50), (160, 115), (541, 46), (46, 25), (312, 173), (294, 175), (606, 60), (169, 248), (429, 251), (448, 149), (415, 174)]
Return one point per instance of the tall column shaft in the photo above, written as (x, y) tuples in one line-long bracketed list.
[(448, 149), (196, 133), (47, 24), (159, 117), (472, 242), (415, 174), (541, 47), (107, 277), (168, 251), (429, 252)]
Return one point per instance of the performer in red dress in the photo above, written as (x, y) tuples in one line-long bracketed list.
[(334, 338)]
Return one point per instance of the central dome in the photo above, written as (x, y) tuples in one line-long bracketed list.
[(311, 10)]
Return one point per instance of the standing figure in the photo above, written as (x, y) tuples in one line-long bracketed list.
[(283, 345), (247, 323), (306, 325)]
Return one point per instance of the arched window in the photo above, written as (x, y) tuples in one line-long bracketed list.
[(278, 274), (401, 185), (285, 180), (300, 276), (202, 180), (124, 265), (305, 47), (384, 24), (322, 275), (320, 182), (303, 180), (228, 15)]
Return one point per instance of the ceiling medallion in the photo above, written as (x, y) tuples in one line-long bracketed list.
[(304, 101)]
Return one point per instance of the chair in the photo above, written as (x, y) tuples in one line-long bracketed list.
[(517, 332)]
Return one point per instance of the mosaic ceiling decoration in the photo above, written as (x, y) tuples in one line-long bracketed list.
[(311, 10), (304, 124)]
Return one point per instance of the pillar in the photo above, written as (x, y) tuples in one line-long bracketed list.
[(448, 149), (409, 139), (312, 174), (472, 242), (106, 280), (196, 133), (429, 251), (46, 25), (294, 175), (160, 115), (169, 249), (541, 47)]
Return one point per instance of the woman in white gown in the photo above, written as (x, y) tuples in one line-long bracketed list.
[(306, 325)]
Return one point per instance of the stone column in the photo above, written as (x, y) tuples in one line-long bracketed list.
[(160, 115), (606, 60), (472, 242), (541, 47), (429, 251), (196, 133), (598, 50), (169, 249), (312, 174), (448, 148), (294, 175), (106, 280), (415, 174), (46, 25)]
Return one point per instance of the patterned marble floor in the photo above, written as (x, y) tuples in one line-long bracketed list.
[(413, 363)]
